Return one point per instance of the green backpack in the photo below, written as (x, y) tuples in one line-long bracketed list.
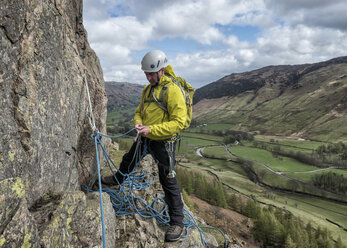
[(187, 91)]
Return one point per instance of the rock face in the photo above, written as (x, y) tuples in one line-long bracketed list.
[(44, 122), (45, 149)]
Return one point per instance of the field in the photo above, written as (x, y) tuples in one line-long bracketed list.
[(120, 114), (309, 208), (305, 146), (281, 164)]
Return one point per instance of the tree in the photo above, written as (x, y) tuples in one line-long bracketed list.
[(220, 194), (268, 230), (339, 243), (229, 139), (187, 201), (288, 243), (252, 209), (231, 200)]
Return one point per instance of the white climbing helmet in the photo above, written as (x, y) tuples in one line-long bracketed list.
[(153, 61)]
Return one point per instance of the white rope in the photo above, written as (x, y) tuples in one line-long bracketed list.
[(91, 115)]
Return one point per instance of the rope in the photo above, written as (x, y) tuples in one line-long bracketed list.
[(96, 142), (124, 200), (96, 139), (91, 115)]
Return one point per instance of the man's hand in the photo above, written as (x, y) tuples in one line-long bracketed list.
[(138, 125), (142, 130)]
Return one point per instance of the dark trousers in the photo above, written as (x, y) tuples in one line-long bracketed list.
[(170, 186)]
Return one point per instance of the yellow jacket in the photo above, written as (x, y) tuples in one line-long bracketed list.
[(162, 125)]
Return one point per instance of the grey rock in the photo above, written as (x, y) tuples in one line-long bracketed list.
[(69, 219), (44, 124), (45, 145), (76, 222), (18, 227)]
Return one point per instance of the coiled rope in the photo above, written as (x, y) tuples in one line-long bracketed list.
[(124, 200)]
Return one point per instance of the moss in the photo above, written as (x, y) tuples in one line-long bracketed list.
[(2, 241), (26, 242), (55, 223), (70, 210), (11, 155), (195, 236), (68, 221), (1, 160), (18, 186)]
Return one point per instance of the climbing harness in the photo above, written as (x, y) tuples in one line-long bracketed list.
[(124, 200)]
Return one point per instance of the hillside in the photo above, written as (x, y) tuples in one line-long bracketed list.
[(123, 99), (121, 94), (307, 101)]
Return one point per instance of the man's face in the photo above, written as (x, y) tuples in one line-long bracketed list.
[(153, 77)]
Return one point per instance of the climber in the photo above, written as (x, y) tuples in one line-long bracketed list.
[(158, 128)]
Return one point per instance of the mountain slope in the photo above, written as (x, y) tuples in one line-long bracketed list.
[(308, 101), (122, 94), (123, 99)]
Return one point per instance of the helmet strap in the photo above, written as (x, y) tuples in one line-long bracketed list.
[(158, 77)]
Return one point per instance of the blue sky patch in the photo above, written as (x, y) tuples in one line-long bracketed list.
[(244, 33), (176, 45)]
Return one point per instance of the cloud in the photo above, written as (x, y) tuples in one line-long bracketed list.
[(125, 73), (123, 31), (301, 44), (317, 13), (288, 32), (115, 39), (97, 10), (277, 46)]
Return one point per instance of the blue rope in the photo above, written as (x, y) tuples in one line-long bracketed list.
[(96, 139), (126, 203)]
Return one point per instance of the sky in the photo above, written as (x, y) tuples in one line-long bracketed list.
[(205, 40)]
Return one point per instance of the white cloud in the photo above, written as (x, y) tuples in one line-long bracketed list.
[(123, 31), (114, 39), (204, 67), (278, 45), (98, 10), (125, 73), (290, 32), (319, 13), (301, 43), (233, 41)]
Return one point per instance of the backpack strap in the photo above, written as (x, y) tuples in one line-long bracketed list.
[(175, 81), (160, 102), (143, 99)]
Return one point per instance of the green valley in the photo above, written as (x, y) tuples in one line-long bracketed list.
[(281, 188), (275, 137)]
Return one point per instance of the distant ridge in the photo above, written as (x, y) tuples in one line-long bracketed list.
[(281, 76), (307, 101)]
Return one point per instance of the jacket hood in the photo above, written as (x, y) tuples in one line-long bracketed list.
[(169, 71)]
